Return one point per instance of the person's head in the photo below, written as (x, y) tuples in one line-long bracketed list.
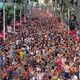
[(73, 17), (66, 62), (49, 77)]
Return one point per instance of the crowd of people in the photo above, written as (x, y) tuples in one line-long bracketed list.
[(41, 49)]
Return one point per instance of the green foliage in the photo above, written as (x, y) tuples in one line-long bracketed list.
[(10, 10), (35, 0), (18, 1), (46, 1)]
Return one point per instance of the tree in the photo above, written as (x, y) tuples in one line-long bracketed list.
[(34, 0), (46, 2), (1, 20), (17, 1)]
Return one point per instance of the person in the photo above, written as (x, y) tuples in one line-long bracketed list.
[(1, 61), (74, 77), (48, 53)]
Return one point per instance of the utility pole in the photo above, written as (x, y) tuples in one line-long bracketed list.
[(20, 14), (4, 20), (68, 18), (25, 6), (14, 15)]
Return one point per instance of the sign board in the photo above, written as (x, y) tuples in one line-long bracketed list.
[(1, 5), (9, 29)]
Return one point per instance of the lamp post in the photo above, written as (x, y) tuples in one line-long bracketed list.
[(4, 20), (68, 19), (14, 15), (21, 14)]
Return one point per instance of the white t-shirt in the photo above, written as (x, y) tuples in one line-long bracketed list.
[(28, 48), (39, 77), (74, 77), (32, 53), (63, 60)]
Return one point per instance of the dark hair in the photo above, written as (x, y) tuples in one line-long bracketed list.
[(52, 67), (49, 77)]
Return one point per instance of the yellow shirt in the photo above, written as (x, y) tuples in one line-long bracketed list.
[(21, 53)]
